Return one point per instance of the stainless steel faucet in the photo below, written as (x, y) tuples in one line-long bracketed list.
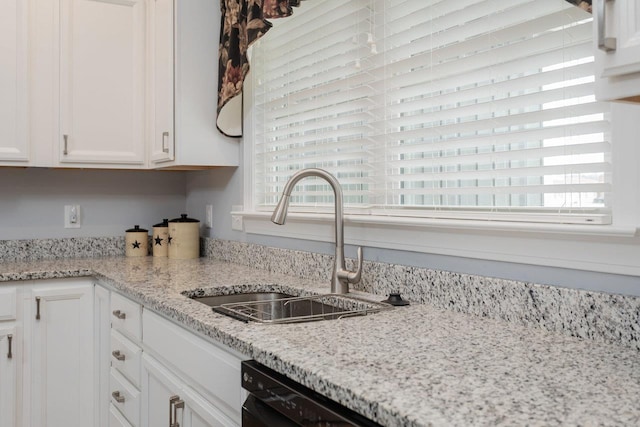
[(341, 277)]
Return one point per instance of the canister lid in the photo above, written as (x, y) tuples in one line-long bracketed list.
[(164, 223), (183, 218), (137, 229)]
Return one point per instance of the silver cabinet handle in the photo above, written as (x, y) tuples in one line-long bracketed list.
[(177, 404), (120, 315), (66, 144), (606, 44), (117, 396), (37, 308), (117, 355), (172, 401), (165, 138), (9, 338)]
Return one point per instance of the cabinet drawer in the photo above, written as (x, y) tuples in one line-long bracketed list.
[(125, 397), (209, 369), (7, 303), (125, 357), (116, 419), (126, 316)]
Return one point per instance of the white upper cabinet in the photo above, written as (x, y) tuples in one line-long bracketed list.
[(14, 143), (121, 84), (102, 79), (182, 86), (617, 53)]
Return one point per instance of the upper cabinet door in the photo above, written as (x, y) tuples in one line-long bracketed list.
[(102, 63), (14, 146), (161, 81), (617, 41)]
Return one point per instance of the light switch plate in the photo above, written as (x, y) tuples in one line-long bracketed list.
[(208, 222)]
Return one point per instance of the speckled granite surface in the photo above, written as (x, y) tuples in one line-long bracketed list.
[(413, 366), (594, 315), (75, 247)]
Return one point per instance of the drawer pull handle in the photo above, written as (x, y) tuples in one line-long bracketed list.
[(117, 355), (120, 315), (9, 338), (37, 308), (172, 413), (118, 397), (175, 403)]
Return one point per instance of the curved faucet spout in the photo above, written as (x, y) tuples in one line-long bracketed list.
[(341, 277)]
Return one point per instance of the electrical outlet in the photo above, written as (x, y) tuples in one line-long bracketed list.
[(72, 218), (208, 222)]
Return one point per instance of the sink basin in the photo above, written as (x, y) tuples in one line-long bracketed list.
[(217, 300), (278, 307)]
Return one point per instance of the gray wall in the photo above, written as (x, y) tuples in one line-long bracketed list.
[(221, 188), (32, 201)]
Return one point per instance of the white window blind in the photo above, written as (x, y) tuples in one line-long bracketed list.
[(476, 109)]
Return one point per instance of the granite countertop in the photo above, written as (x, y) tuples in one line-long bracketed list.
[(411, 366)]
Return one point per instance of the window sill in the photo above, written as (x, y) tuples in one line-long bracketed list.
[(603, 248)]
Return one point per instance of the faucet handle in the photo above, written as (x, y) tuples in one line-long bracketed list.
[(354, 276)]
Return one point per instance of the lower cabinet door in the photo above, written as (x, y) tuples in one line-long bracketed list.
[(60, 354), (166, 400), (9, 359)]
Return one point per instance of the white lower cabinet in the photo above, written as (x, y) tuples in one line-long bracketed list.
[(76, 354), (193, 380), (160, 374), (58, 353), (168, 400), (104, 415), (123, 350), (211, 370), (10, 357)]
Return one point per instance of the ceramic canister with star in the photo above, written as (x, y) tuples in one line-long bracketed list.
[(136, 242), (160, 239), (184, 238)]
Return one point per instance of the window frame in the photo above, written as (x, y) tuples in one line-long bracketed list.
[(612, 248)]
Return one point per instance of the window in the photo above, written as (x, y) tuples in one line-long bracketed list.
[(469, 109)]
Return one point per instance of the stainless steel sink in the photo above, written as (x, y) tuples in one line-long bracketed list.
[(277, 307), (217, 300)]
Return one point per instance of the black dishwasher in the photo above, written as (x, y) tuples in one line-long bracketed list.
[(276, 401)]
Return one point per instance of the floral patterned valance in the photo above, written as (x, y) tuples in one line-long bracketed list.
[(584, 4), (243, 22)]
